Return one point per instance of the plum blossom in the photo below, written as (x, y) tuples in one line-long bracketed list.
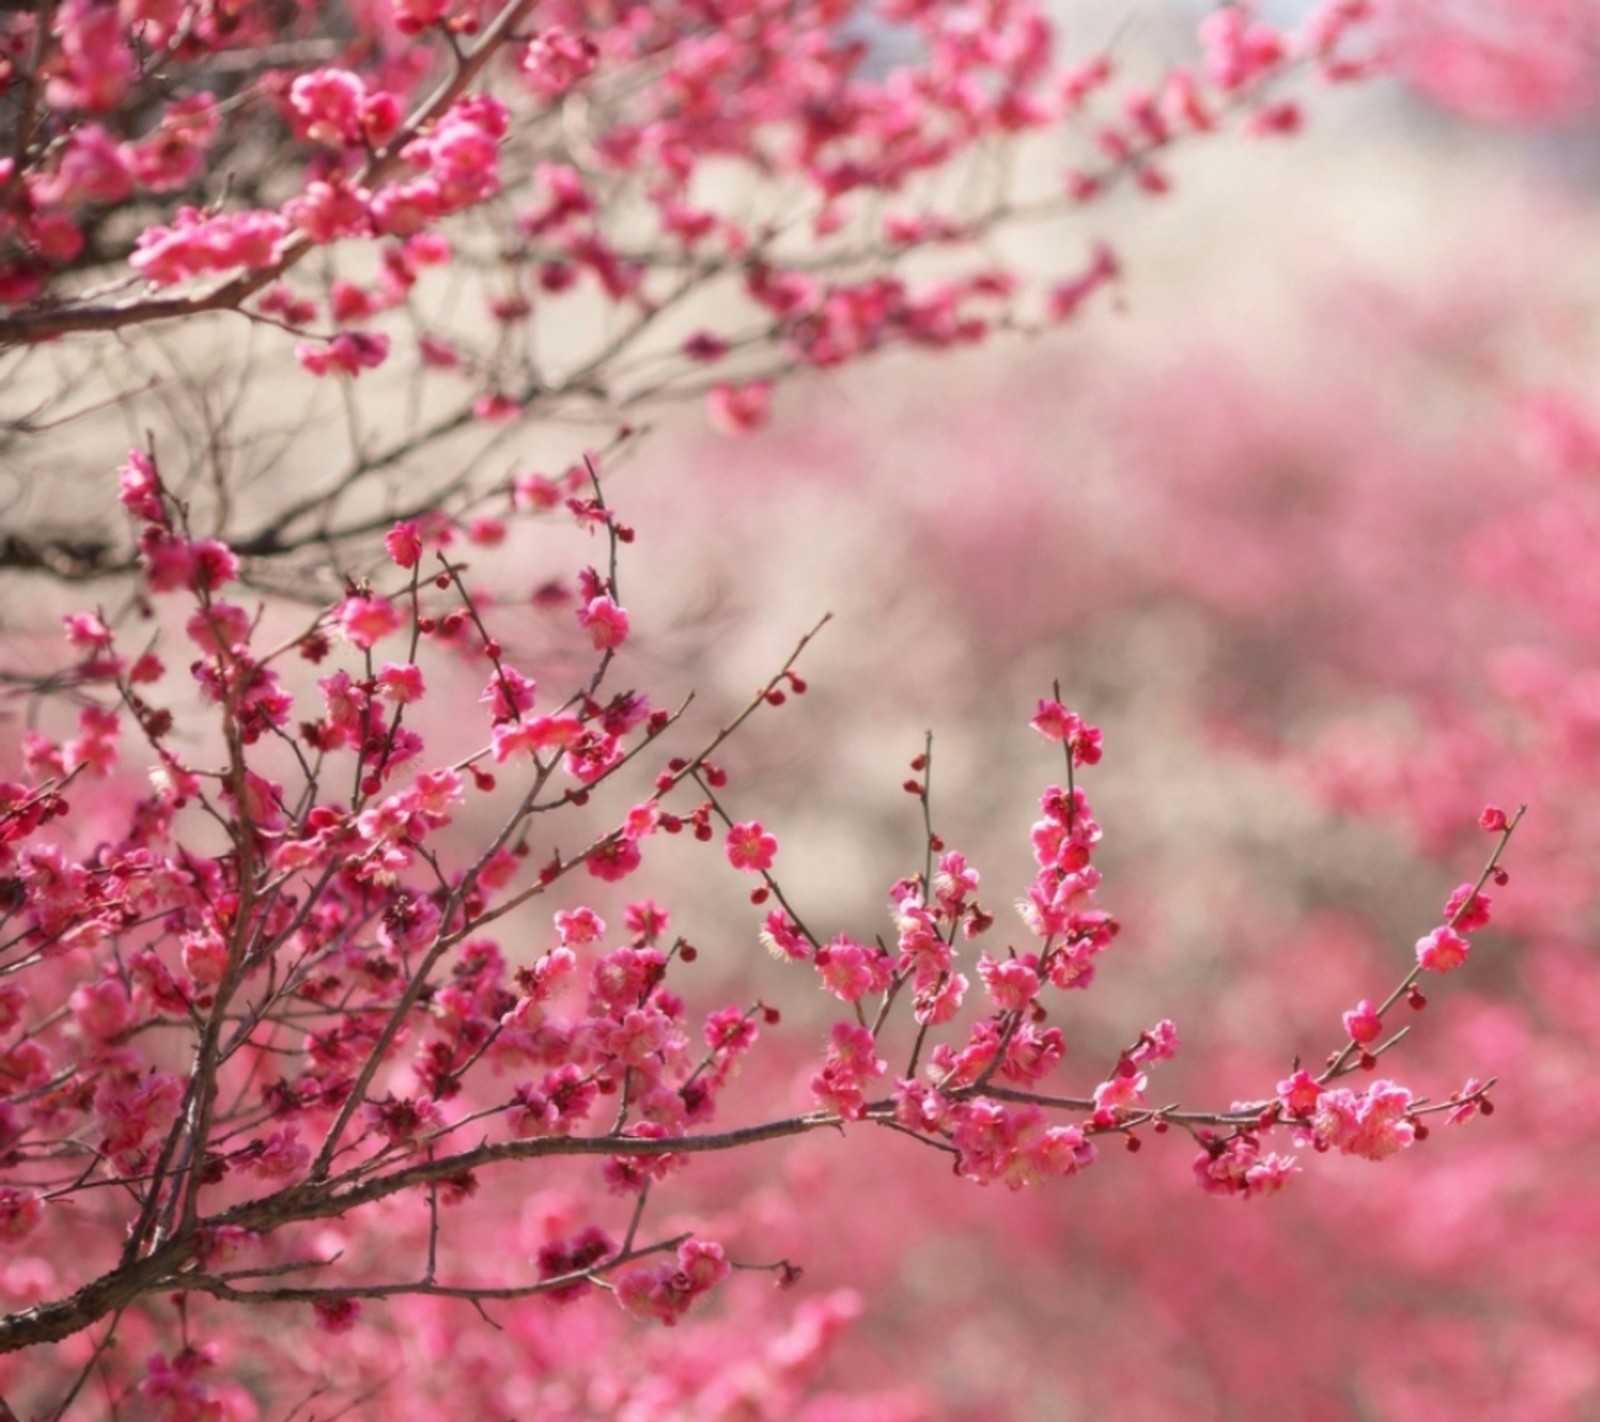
[(750, 847), (1442, 950)]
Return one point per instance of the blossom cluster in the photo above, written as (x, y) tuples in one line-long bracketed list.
[(322, 1016), (284, 1002), (424, 110)]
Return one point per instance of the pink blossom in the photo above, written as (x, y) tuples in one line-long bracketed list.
[(20, 1213), (1013, 1145), (219, 629), (401, 1120), (348, 353), (556, 60), (646, 920), (1442, 950), (1012, 983), (101, 1009), (939, 1004), (539, 734), (205, 957), (139, 488), (327, 211), (196, 245), (1466, 910), (400, 683), (366, 619), (579, 926), (1240, 1168), (404, 542), (614, 860), (1055, 723), (851, 1063), (327, 105), (605, 622), (850, 971), (1363, 1023), (666, 1291), (641, 821), (1157, 1044), (1299, 1093), (336, 1315), (781, 937), (508, 693), (412, 17), (1065, 298), (1374, 1126), (1469, 1102), (486, 531), (739, 409), (1121, 1093), (750, 847)]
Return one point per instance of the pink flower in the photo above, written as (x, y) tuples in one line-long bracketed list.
[(937, 1005), (101, 1009), (851, 1063), (195, 245), (782, 938), (1239, 1168), (1121, 1093), (205, 957), (1374, 1126), (541, 733), (1465, 910), (641, 821), (1054, 722), (278, 1157), (739, 409), (327, 105), (750, 847), (1442, 950), (336, 1315), (1012, 982), (20, 1213), (1158, 1044), (640, 1034), (220, 628), (851, 971), (556, 60), (614, 860), (508, 693), (1363, 1023), (665, 1292), (411, 17), (86, 631), (348, 353), (325, 212), (486, 531), (579, 926), (366, 619), (605, 622), (1299, 1093), (211, 564), (400, 683), (404, 542), (139, 488), (646, 920)]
